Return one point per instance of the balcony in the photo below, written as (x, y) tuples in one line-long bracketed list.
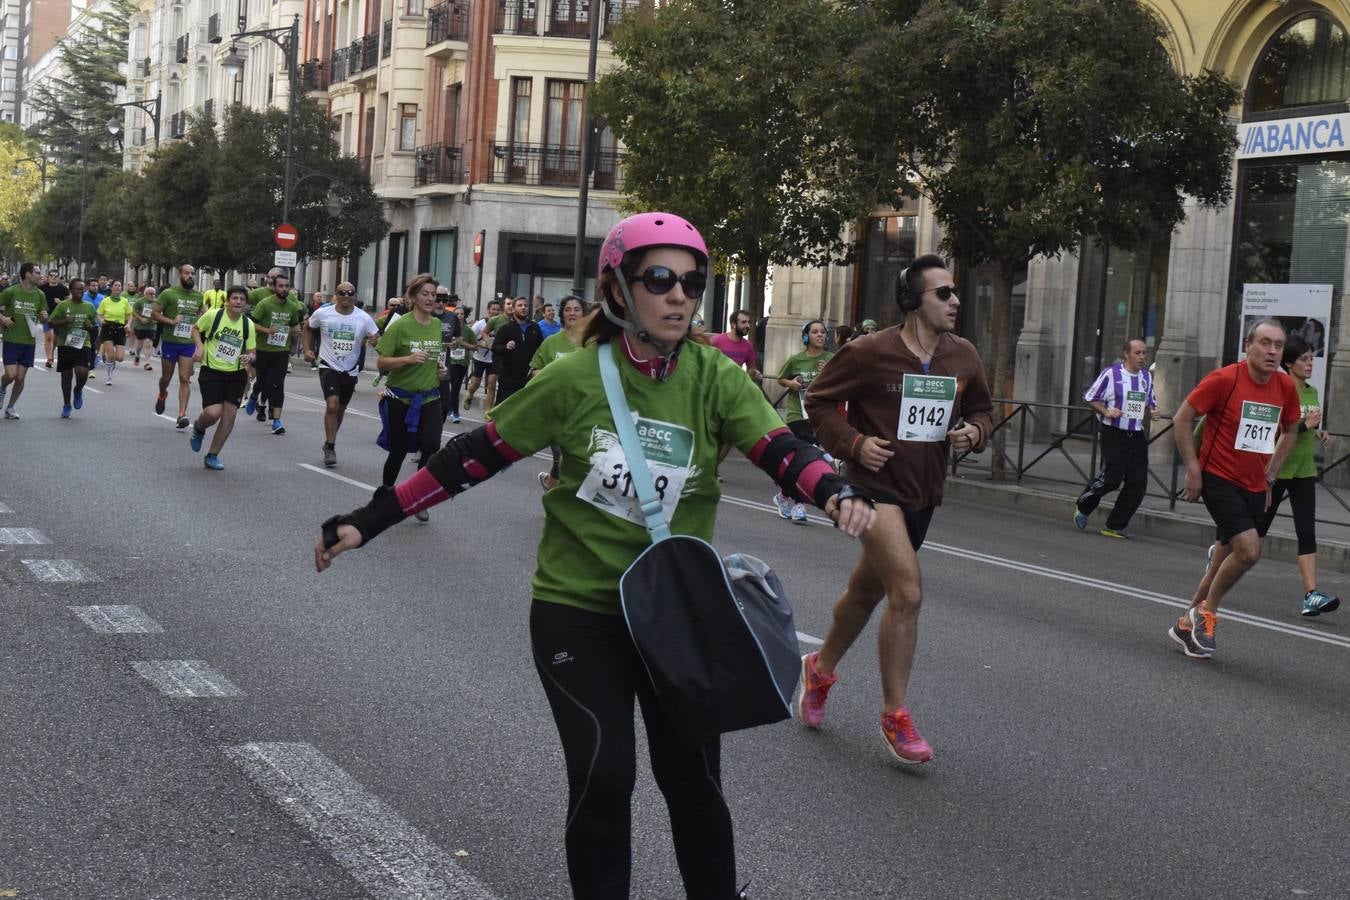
[(314, 75), (552, 166), (340, 66), (439, 164), (568, 18), (448, 21), (177, 125), (387, 38), (370, 51), (213, 35), (209, 110), (517, 17), (143, 68), (180, 49)]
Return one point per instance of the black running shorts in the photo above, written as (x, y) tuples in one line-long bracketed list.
[(219, 387), (68, 359), (337, 384), (113, 333), (916, 522), (1233, 509)]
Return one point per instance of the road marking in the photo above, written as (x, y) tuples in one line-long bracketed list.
[(92, 390), (5, 509), (376, 846), (22, 536), (185, 678), (807, 639), (1137, 593), (117, 620), (343, 478), (58, 570)]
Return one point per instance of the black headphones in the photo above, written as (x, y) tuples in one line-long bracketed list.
[(909, 296), (806, 331)]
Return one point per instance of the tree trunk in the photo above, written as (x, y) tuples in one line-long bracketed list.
[(1000, 379), (757, 270)]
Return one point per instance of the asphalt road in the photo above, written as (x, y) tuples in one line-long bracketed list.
[(379, 731)]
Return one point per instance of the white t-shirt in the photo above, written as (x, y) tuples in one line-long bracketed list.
[(479, 329), (341, 337)]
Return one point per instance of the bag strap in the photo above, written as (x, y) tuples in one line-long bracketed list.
[(652, 510)]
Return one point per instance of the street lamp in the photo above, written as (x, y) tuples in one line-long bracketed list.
[(42, 168), (288, 39), (149, 107)]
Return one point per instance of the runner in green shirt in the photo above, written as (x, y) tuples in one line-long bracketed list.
[(688, 399), (74, 324), (223, 339), (554, 348), (278, 315), (143, 326), (177, 309), (795, 377), (23, 309), (1298, 476)]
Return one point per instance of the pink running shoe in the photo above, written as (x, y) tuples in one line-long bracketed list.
[(815, 687), (903, 739)]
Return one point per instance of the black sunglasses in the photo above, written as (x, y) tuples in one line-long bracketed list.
[(660, 280), (345, 293), (944, 293)]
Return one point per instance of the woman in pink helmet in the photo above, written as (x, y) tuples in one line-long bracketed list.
[(652, 273)]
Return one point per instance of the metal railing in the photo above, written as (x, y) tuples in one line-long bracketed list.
[(439, 164), (314, 75), (370, 51), (553, 166), (180, 49), (448, 21), (387, 38), (339, 67), (213, 35), (177, 125), (568, 19), (1081, 428), (517, 17)]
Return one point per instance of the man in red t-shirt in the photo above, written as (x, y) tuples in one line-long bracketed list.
[(1251, 411)]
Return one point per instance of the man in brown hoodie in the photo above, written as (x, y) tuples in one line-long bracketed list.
[(912, 391)]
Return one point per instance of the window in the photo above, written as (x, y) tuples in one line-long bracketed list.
[(520, 110), (1306, 64), (450, 124), (563, 120), (416, 7), (407, 126)]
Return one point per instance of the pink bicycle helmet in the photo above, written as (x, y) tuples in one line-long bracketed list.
[(645, 230)]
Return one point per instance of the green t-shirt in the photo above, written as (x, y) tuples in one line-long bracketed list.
[(78, 331), (146, 309), (403, 338), (223, 352), (272, 312), (593, 529), (553, 348), (1300, 462), (21, 304), (805, 369), (115, 310), (175, 302)]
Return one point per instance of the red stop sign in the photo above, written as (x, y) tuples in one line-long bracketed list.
[(286, 236), (478, 249)]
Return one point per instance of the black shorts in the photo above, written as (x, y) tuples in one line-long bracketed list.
[(68, 359), (113, 333), (144, 334), (221, 387), (480, 369), (916, 522), (337, 384), (1233, 509)]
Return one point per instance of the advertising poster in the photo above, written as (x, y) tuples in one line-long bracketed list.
[(1301, 308)]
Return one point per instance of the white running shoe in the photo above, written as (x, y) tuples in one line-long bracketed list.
[(784, 505)]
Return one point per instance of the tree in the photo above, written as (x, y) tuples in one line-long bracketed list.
[(247, 185), (121, 219), (51, 226), (716, 103), (1031, 123), (20, 188), (177, 229)]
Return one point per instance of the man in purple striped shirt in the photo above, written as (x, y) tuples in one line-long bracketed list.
[(1122, 395)]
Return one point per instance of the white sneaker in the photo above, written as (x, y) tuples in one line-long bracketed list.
[(10, 413), (784, 505), (799, 513)]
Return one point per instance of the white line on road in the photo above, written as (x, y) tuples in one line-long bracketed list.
[(22, 536), (117, 620), (376, 846), (807, 639), (5, 509), (1097, 584), (185, 678), (92, 390), (58, 570), (343, 478)]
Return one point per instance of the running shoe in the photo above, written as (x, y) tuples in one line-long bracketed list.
[(468, 401), (1315, 603), (251, 406), (196, 440), (182, 422), (784, 505), (1180, 633), (213, 462), (49, 362), (277, 427), (422, 515), (815, 688), (1122, 534), (799, 513), (290, 367), (160, 400), (10, 413), (544, 481), (149, 368), (108, 381), (329, 456), (1079, 518), (1195, 632), (65, 414), (262, 413), (454, 418), (903, 739), (79, 399)]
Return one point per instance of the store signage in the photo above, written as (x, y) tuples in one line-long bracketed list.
[(1293, 137)]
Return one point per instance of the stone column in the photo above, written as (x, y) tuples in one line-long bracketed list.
[(1041, 358)]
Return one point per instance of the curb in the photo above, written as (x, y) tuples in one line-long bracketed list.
[(1169, 526)]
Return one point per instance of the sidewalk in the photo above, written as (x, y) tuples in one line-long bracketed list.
[(1049, 486)]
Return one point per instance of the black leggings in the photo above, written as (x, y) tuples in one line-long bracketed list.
[(270, 385), (1303, 500), (591, 672), (450, 391), (427, 438)]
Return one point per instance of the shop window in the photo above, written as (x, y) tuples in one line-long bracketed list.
[(1122, 293), (890, 246), (1305, 65)]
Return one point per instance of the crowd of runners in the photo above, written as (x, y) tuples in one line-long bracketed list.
[(863, 427)]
